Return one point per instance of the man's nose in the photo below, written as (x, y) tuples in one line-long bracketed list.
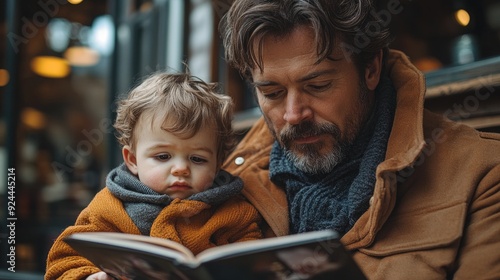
[(296, 108)]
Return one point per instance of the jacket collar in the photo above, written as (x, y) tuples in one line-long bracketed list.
[(407, 138), (405, 144)]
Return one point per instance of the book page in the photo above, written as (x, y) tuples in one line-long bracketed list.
[(151, 240), (127, 257), (122, 239), (248, 247), (315, 255)]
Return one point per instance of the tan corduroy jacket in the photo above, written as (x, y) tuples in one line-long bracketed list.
[(194, 224), (435, 211)]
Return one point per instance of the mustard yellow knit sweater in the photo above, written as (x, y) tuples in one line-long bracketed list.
[(194, 224)]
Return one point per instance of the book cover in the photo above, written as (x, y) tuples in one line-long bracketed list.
[(312, 255)]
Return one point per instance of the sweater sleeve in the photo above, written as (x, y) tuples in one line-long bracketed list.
[(198, 226), (239, 221), (104, 213)]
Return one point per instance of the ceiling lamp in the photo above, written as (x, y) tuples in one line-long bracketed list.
[(33, 118), (4, 77), (81, 56), (462, 17), (50, 66), (101, 35), (58, 34)]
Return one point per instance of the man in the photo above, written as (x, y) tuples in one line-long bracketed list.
[(345, 143)]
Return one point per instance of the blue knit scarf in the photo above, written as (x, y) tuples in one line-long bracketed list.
[(336, 200), (143, 204)]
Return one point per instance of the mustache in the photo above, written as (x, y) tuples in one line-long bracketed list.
[(308, 129)]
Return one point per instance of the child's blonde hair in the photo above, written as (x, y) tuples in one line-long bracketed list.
[(184, 103)]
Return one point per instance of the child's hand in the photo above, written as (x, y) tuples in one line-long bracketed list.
[(99, 276)]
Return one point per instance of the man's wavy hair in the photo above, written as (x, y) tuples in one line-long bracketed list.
[(183, 103), (350, 21)]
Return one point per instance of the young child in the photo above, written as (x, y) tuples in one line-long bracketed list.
[(175, 131)]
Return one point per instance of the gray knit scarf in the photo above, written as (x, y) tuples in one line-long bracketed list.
[(336, 200), (143, 204)]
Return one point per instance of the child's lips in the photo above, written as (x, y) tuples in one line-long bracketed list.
[(179, 186)]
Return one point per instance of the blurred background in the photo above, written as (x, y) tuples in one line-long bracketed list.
[(63, 63)]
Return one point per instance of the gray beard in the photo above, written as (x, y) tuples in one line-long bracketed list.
[(312, 162)]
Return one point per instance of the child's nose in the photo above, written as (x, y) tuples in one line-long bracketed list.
[(180, 168)]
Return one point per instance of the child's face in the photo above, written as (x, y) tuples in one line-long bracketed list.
[(171, 165)]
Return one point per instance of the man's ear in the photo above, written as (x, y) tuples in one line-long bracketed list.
[(373, 71), (130, 159)]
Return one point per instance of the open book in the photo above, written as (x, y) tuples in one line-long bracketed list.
[(312, 255)]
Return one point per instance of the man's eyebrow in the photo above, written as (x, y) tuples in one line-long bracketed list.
[(263, 83), (316, 74), (308, 77)]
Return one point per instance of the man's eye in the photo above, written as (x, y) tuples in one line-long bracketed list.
[(163, 157), (320, 87), (196, 159), (273, 95)]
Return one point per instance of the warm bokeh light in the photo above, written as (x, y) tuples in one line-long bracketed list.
[(462, 17), (33, 118), (50, 66), (74, 2), (81, 56), (427, 64), (4, 77)]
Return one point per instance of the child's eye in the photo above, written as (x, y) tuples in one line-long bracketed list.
[(196, 159), (163, 157)]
